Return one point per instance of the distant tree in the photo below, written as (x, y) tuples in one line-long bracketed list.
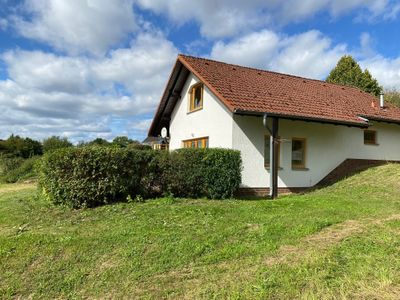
[(392, 96), (55, 142), (98, 142), (121, 141), (349, 72), (21, 147), (124, 141)]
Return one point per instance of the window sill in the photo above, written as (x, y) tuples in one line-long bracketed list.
[(194, 110), (268, 168), (300, 169), (371, 144)]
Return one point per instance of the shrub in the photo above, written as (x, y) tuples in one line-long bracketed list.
[(222, 172), (55, 142), (211, 173), (92, 175), (17, 169)]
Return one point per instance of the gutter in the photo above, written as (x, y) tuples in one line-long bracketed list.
[(300, 118)]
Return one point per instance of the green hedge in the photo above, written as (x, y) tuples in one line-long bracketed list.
[(13, 169), (91, 176)]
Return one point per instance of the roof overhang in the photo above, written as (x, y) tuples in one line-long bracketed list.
[(302, 118), (169, 98)]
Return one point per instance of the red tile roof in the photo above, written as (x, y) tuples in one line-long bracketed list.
[(248, 90)]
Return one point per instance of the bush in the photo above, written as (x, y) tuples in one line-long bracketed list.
[(17, 169), (55, 142), (93, 175)]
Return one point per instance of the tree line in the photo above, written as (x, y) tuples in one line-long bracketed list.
[(16, 146)]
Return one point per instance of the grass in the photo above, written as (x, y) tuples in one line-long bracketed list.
[(339, 242)]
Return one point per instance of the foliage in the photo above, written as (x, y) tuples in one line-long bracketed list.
[(91, 176), (124, 141), (21, 147), (349, 72), (95, 142), (55, 142), (16, 169), (211, 173), (222, 173), (340, 242), (393, 96)]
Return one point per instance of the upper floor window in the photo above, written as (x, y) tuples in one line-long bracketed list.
[(298, 153), (370, 137), (196, 143), (196, 97)]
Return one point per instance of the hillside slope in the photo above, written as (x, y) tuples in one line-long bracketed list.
[(337, 242)]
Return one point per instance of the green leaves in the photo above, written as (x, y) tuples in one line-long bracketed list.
[(95, 175), (348, 72)]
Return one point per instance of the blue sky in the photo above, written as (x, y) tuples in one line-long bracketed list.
[(97, 68)]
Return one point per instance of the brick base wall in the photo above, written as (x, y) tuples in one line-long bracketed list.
[(264, 192)]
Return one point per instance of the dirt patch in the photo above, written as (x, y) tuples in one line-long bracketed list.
[(324, 239), (8, 188)]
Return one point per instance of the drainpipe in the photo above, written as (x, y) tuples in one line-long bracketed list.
[(273, 170)]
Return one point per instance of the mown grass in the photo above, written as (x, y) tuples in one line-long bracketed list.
[(337, 242)]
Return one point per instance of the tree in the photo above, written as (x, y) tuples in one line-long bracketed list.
[(349, 72), (55, 142), (98, 142), (392, 96), (22, 147), (121, 141)]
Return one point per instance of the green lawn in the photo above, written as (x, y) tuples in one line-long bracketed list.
[(339, 242)]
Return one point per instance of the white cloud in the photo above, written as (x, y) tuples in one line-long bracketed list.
[(226, 18), (77, 26), (392, 12), (3, 24), (255, 49), (309, 54), (84, 97), (385, 70)]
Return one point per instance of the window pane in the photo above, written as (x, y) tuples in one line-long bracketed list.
[(369, 137), (197, 97), (200, 144), (298, 153), (267, 147)]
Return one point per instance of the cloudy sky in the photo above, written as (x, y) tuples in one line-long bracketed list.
[(97, 68)]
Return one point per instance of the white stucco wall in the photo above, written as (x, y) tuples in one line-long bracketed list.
[(213, 121), (326, 147)]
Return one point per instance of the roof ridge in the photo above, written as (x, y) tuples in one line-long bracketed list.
[(273, 72)]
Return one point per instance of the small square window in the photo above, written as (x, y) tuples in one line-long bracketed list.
[(370, 137)]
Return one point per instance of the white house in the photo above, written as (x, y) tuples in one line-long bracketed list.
[(213, 104)]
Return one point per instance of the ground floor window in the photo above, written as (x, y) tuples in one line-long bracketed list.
[(267, 149), (370, 137), (160, 146), (298, 153), (196, 143)]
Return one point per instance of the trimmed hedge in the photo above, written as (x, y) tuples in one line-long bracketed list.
[(91, 176)]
